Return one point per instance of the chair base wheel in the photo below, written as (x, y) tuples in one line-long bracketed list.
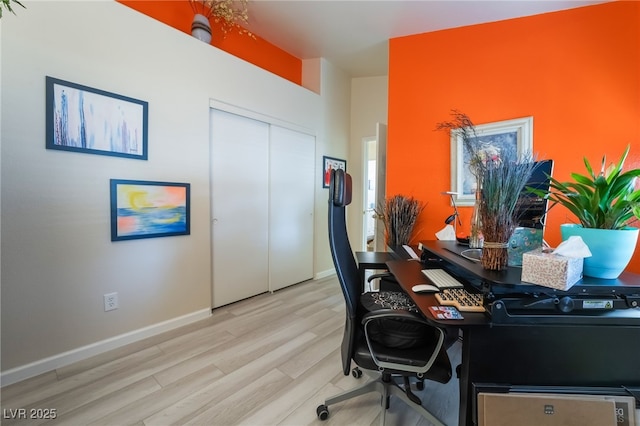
[(420, 385), (356, 372), (323, 412)]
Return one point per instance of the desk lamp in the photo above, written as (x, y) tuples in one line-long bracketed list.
[(455, 215)]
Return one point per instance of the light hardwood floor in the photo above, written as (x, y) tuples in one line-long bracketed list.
[(268, 360)]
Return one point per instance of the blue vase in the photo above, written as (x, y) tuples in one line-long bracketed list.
[(611, 249)]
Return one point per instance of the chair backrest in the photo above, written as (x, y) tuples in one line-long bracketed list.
[(343, 260)]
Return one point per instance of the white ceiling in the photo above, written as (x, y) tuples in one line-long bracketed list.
[(353, 34)]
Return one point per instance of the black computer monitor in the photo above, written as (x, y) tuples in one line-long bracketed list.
[(530, 208)]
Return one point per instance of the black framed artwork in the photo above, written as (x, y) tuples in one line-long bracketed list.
[(328, 164), (92, 121), (147, 209)]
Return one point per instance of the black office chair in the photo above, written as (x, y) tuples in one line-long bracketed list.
[(423, 358)]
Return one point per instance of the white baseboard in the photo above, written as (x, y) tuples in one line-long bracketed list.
[(51, 363), (324, 274)]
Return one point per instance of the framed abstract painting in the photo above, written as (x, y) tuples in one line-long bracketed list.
[(92, 121), (494, 137), (146, 209)]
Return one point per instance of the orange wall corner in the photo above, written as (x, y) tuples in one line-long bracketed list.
[(179, 15)]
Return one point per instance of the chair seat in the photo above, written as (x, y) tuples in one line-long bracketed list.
[(387, 300), (440, 371)]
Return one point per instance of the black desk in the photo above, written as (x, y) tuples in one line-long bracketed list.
[(373, 260), (508, 281), (602, 356)]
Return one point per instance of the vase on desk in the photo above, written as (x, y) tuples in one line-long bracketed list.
[(475, 233), (495, 256), (494, 232)]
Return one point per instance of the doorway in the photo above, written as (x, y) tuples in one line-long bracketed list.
[(374, 189), (370, 147)]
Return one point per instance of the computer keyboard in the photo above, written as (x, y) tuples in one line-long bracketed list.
[(461, 299), (441, 278)]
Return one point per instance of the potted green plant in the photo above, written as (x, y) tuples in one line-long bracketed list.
[(7, 4), (606, 204)]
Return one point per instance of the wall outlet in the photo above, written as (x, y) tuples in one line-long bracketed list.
[(110, 301)]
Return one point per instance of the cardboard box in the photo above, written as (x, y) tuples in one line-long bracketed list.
[(530, 409), (551, 270), (625, 408)]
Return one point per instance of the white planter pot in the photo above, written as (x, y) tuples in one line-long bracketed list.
[(201, 28)]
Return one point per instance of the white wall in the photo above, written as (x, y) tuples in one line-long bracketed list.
[(57, 257), (368, 107), (335, 91)]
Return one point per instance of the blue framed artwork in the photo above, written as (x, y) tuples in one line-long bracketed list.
[(92, 121), (145, 209), (516, 134)]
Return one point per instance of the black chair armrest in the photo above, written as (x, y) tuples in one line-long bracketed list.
[(392, 314), (388, 281), (380, 275)]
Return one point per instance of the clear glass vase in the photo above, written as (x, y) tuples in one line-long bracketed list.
[(476, 239)]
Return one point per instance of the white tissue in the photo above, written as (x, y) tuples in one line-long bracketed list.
[(573, 247), (446, 234)]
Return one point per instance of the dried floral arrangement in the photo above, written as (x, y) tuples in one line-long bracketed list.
[(230, 14), (501, 177), (503, 180), (478, 154), (461, 125), (399, 214)]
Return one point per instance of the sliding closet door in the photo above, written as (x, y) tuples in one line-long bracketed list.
[(291, 207), (239, 206)]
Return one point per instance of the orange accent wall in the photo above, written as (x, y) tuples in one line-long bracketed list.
[(178, 14), (577, 72)]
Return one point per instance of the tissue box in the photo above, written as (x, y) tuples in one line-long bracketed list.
[(551, 270)]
